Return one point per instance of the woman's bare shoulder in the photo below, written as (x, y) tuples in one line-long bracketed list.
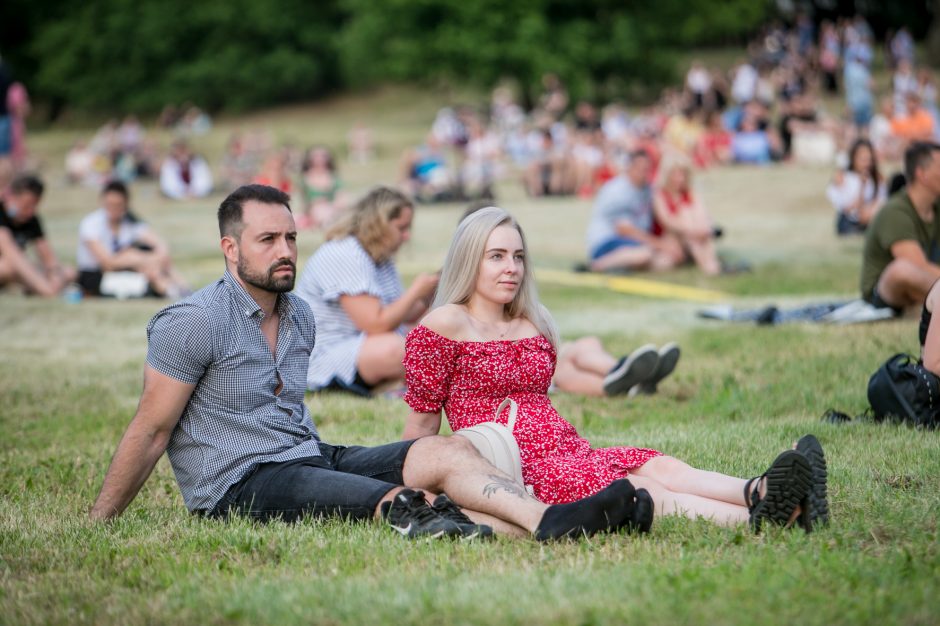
[(448, 320)]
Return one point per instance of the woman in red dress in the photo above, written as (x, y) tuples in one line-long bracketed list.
[(488, 338), (681, 217)]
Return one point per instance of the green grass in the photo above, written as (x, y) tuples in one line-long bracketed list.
[(70, 376)]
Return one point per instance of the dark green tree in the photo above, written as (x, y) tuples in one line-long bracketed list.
[(142, 54)]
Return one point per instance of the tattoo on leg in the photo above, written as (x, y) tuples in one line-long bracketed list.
[(506, 484)]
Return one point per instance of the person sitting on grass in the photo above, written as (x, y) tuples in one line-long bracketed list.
[(488, 338), (322, 187), (184, 175), (19, 227), (680, 218), (112, 239), (353, 287), (857, 193), (585, 367), (619, 234), (223, 396), (901, 256)]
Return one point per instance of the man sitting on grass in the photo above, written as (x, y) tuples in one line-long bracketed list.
[(901, 258), (20, 227), (224, 397)]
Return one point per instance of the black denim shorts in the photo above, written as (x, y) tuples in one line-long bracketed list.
[(346, 482)]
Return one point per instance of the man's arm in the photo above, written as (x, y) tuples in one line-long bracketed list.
[(625, 228), (161, 405), (910, 250), (47, 257)]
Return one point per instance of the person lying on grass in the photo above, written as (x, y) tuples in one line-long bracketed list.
[(487, 338), (224, 397)]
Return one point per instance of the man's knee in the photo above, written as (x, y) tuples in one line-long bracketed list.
[(452, 447), (903, 280), (899, 270)]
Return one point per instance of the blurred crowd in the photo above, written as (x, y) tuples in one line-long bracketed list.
[(802, 92)]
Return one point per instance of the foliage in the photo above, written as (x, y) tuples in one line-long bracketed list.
[(599, 48), (142, 54)]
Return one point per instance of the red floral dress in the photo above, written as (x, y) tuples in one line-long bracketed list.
[(468, 379)]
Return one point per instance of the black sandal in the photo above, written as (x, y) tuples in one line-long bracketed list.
[(788, 479), (816, 503)]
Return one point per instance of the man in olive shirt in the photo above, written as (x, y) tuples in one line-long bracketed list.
[(901, 258)]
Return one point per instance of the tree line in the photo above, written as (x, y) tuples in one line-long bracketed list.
[(138, 55)]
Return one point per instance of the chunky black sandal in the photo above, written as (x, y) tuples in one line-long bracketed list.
[(816, 503), (788, 480)]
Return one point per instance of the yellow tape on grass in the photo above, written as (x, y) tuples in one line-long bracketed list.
[(631, 285)]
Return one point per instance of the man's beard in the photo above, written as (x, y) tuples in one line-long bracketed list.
[(268, 281)]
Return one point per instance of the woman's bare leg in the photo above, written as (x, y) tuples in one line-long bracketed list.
[(683, 478), (669, 502), (380, 358), (582, 366)]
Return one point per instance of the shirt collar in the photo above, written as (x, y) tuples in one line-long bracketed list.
[(247, 304)]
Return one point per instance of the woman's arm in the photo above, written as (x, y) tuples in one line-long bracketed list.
[(368, 314), (931, 355), (421, 425), (670, 223)]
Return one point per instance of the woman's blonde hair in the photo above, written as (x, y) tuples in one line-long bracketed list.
[(671, 161), (368, 221), (462, 267)]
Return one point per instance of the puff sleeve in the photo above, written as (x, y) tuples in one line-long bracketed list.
[(430, 361)]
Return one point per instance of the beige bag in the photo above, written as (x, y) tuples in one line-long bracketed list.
[(496, 443)]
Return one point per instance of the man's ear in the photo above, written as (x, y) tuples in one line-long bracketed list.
[(229, 247)]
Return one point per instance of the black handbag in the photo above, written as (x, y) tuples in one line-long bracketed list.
[(904, 389)]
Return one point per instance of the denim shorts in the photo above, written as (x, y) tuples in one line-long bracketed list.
[(612, 244), (346, 482)]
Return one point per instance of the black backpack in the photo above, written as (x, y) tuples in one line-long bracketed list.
[(903, 389)]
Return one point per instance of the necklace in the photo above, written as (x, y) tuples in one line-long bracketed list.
[(487, 328)]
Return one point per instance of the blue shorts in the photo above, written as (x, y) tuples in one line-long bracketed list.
[(612, 244), (6, 135)]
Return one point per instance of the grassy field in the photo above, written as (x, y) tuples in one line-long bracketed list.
[(70, 376)]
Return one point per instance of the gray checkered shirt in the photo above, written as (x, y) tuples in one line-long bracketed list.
[(234, 420)]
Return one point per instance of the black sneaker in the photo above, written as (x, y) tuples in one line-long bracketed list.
[(668, 359), (631, 370), (446, 508), (410, 515)]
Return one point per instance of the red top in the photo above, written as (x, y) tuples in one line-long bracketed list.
[(469, 379), (673, 205)]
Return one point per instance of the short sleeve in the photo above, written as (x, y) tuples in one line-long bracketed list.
[(180, 342), (897, 226), (345, 270), (35, 228), (87, 229), (840, 195), (429, 362)]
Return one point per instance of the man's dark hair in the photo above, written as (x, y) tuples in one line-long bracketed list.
[(116, 186), (641, 153), (919, 154), (27, 182), (230, 211)]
